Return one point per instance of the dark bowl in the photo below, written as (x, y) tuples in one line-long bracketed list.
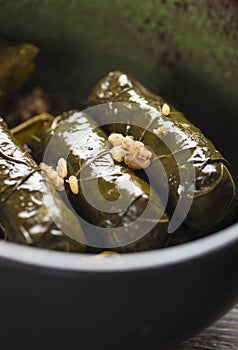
[(188, 52)]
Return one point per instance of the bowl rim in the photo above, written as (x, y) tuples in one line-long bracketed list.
[(81, 262)]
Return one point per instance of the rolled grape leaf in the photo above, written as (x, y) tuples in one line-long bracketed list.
[(32, 134), (24, 215), (110, 195), (179, 148), (16, 64)]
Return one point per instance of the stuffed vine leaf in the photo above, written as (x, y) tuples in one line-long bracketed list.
[(16, 64), (110, 195), (24, 215), (171, 138)]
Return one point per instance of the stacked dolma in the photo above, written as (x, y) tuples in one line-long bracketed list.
[(179, 148), (110, 195), (16, 64), (25, 197)]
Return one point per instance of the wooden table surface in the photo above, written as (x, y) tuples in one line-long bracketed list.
[(223, 335)]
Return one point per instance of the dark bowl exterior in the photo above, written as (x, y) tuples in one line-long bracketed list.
[(119, 305)]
